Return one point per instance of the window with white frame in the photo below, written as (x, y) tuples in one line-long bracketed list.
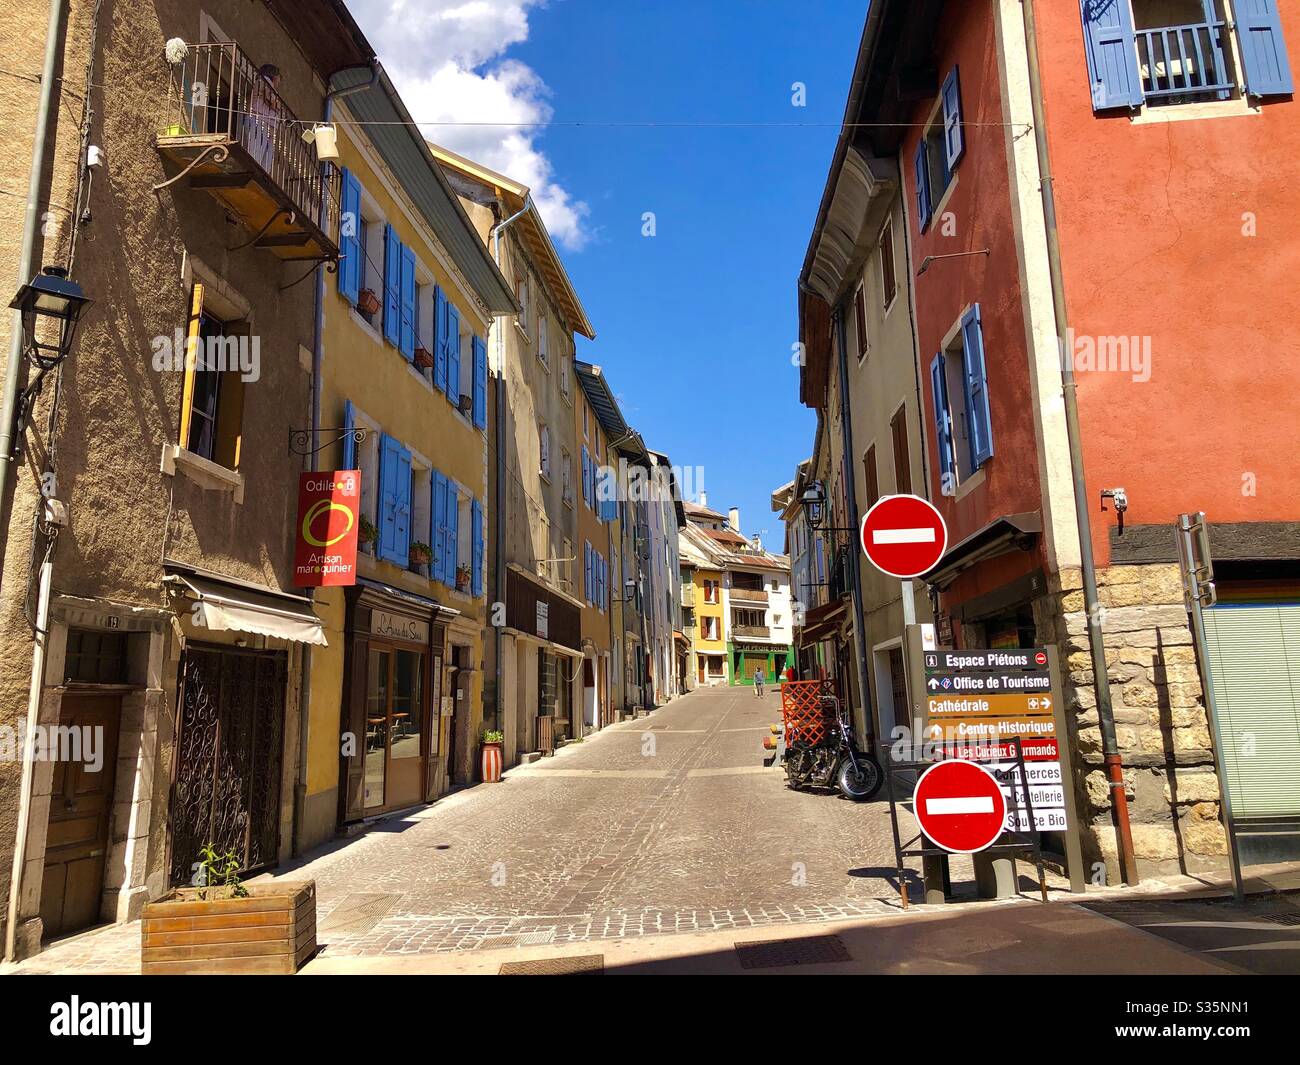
[(566, 474), (959, 391), (521, 294), (1163, 53), (421, 509), (939, 150), (544, 450), (543, 341)]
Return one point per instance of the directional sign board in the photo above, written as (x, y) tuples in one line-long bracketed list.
[(904, 536), (980, 700), (960, 806)]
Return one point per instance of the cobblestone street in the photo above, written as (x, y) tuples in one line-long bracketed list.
[(665, 824)]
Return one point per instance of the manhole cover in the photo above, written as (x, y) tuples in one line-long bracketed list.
[(583, 965), (357, 913), (774, 953)]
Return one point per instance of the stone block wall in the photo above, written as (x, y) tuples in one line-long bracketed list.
[(1161, 727)]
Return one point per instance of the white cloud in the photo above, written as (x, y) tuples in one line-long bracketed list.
[(446, 58)]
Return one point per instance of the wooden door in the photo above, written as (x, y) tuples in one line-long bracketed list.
[(81, 806)]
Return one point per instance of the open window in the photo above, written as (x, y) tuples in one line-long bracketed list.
[(1166, 53), (959, 388), (939, 150), (219, 353)]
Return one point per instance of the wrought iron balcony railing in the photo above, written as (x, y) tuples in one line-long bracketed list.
[(235, 137), (1180, 63)]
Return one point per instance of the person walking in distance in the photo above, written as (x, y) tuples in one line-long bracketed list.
[(758, 681)]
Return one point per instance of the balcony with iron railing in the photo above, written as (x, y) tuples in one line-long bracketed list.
[(688, 595), (840, 578), (234, 137), (1184, 64)]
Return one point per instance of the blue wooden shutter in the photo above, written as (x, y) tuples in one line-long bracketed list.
[(480, 383), (349, 272), (389, 463), (586, 473), (453, 530), (402, 511), (476, 518), (438, 526), (954, 136), (586, 570), (439, 339), (942, 423), (407, 333), (977, 389), (1111, 49), (392, 285), (1263, 50), (922, 186), (349, 444), (453, 353)]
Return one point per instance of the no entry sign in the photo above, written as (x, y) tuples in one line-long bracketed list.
[(960, 806), (904, 536)]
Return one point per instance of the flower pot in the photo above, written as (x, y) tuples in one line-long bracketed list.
[(271, 930), (421, 558), (491, 763), (367, 301), (423, 359)]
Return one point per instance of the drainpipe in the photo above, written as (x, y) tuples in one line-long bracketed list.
[(500, 432), (1096, 643), (9, 432), (317, 361), (855, 558)]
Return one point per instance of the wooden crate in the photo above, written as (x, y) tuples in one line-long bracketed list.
[(272, 931)]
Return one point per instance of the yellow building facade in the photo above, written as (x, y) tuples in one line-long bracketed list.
[(396, 698)]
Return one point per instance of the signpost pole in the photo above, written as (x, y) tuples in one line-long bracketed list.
[(1073, 844), (909, 603)]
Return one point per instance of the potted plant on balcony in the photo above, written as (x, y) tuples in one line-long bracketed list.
[(368, 301), (423, 359), (462, 578), (221, 925), (421, 554), (366, 533), (490, 757)]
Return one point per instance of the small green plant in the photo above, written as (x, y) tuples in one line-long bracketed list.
[(367, 532), (494, 736), (218, 871)]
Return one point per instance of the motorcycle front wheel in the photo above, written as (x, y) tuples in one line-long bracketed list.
[(862, 783)]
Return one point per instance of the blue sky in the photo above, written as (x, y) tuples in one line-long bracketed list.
[(695, 324)]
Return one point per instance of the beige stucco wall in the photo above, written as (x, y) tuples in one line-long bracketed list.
[(117, 413)]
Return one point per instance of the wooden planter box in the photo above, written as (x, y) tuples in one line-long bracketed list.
[(271, 931)]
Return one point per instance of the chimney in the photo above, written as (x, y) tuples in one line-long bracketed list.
[(704, 499), (733, 519), (758, 542)]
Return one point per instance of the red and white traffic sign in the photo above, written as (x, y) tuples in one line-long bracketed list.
[(960, 806), (904, 536)]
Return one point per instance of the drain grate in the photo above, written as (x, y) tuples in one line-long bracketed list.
[(1287, 920), (582, 965), (774, 953)]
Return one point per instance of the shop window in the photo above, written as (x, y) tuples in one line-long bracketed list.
[(95, 657), (212, 399)]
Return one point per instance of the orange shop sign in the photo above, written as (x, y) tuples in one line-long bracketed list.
[(325, 552)]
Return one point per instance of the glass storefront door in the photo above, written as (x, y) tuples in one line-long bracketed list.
[(394, 727)]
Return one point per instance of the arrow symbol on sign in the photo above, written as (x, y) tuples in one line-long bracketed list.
[(1047, 703), (933, 684)]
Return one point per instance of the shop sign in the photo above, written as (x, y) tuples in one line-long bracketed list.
[(399, 627), (325, 544), (543, 619)]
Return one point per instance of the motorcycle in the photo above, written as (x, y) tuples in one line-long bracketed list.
[(835, 762)]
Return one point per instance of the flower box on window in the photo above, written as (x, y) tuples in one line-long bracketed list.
[(368, 301), (420, 554), (462, 578), (423, 359)]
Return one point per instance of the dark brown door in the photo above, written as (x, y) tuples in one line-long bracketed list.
[(81, 805)]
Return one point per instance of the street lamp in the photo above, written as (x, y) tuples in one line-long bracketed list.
[(813, 501), (50, 297), (629, 587)]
